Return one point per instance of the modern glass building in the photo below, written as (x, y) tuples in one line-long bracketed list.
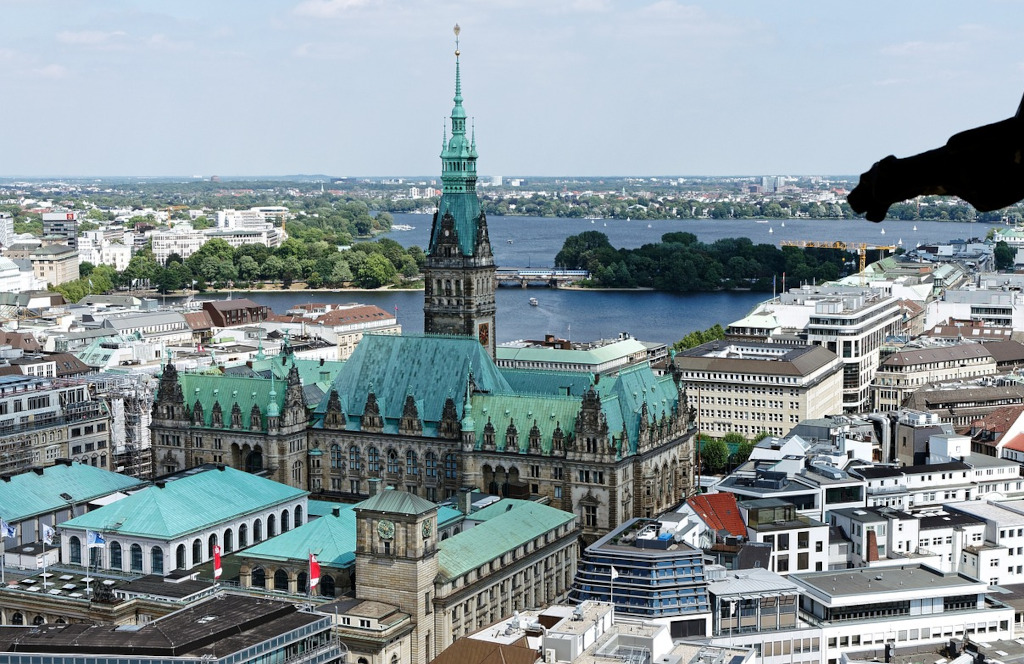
[(647, 572)]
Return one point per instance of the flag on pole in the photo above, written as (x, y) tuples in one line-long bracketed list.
[(217, 569), (7, 530), (615, 573), (48, 534), (314, 572), (94, 539)]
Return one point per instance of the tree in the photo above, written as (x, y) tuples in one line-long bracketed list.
[(376, 271), (714, 454), (1005, 256)]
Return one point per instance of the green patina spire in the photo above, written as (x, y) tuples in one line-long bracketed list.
[(272, 407), (458, 173)]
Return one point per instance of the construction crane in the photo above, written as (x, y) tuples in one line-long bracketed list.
[(861, 248)]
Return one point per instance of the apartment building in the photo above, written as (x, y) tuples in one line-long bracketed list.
[(906, 371), (55, 264), (748, 387), (799, 543)]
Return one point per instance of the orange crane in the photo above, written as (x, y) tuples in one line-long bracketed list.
[(861, 248)]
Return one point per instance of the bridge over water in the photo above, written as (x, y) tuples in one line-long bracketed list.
[(549, 277)]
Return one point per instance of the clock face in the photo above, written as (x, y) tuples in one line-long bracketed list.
[(426, 529), (386, 529)]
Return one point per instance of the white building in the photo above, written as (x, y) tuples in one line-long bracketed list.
[(749, 387)]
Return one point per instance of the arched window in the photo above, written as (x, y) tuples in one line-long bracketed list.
[(259, 578), (373, 460), (394, 658), (431, 465), (96, 557), (197, 551), (393, 466), (180, 562), (243, 536), (298, 515), (301, 582), (412, 465), (327, 585), (257, 530), (136, 558), (280, 580), (271, 526), (353, 458), (229, 541), (38, 620), (297, 473), (285, 520), (156, 560), (451, 467), (336, 456), (75, 549), (115, 556), (210, 543), (17, 619)]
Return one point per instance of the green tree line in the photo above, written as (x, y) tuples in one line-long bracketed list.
[(680, 263)]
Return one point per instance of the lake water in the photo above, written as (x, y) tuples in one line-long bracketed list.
[(587, 315)]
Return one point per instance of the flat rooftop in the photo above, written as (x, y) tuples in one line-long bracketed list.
[(861, 581)]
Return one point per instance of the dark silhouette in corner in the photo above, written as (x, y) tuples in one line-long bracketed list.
[(983, 166)]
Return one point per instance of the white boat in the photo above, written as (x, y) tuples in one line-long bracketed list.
[(915, 227), (649, 226), (783, 224), (534, 302), (771, 230), (760, 221), (883, 231), (402, 227)]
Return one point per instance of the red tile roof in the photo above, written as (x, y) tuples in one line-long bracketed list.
[(1016, 443), (719, 511)]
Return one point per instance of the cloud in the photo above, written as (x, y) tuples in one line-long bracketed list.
[(51, 71), (89, 37), (330, 8), (163, 42)]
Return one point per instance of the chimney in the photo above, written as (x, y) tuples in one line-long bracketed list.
[(335, 511), (871, 547), (220, 467), (374, 486), (160, 484), (466, 501)]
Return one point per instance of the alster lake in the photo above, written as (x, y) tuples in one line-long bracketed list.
[(646, 315)]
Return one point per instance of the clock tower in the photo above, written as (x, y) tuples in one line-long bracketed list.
[(459, 277), (396, 560)]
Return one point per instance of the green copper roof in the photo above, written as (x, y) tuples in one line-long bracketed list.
[(622, 398), (187, 503), (430, 368), (321, 507), (331, 538), (524, 411), (533, 381), (458, 178), (497, 508), (483, 543), (29, 494), (448, 515), (228, 390), (396, 502)]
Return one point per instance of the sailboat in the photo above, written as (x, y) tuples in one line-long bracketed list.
[(771, 230), (915, 227), (783, 224), (883, 231)]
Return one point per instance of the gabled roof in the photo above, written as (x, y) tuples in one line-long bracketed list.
[(331, 538), (39, 492), (482, 543), (430, 368), (478, 651), (394, 501), (720, 512), (524, 412), (532, 381), (189, 502), (209, 389), (199, 320), (623, 396)]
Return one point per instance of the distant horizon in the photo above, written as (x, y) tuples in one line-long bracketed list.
[(312, 178)]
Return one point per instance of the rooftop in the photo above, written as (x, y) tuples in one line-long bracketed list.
[(45, 490), (850, 583)]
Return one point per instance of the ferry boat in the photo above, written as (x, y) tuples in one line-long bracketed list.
[(534, 302), (402, 227)]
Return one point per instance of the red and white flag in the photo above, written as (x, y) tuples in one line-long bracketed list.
[(314, 572), (216, 562)]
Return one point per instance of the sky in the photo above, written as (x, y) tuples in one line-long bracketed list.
[(553, 87)]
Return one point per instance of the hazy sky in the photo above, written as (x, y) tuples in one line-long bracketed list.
[(556, 87)]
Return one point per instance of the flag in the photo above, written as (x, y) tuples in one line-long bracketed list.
[(615, 573), (94, 539), (217, 570), (314, 572), (7, 530), (48, 534)]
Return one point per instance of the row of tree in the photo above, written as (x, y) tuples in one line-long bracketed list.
[(219, 265), (680, 263)]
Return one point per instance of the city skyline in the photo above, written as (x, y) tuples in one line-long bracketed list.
[(585, 88)]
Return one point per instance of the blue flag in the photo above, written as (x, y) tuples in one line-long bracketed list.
[(93, 538), (7, 530)]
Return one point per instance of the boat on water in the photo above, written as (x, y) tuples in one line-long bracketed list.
[(760, 221), (534, 302), (915, 227), (771, 230), (402, 227), (783, 224), (649, 226), (883, 231)]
